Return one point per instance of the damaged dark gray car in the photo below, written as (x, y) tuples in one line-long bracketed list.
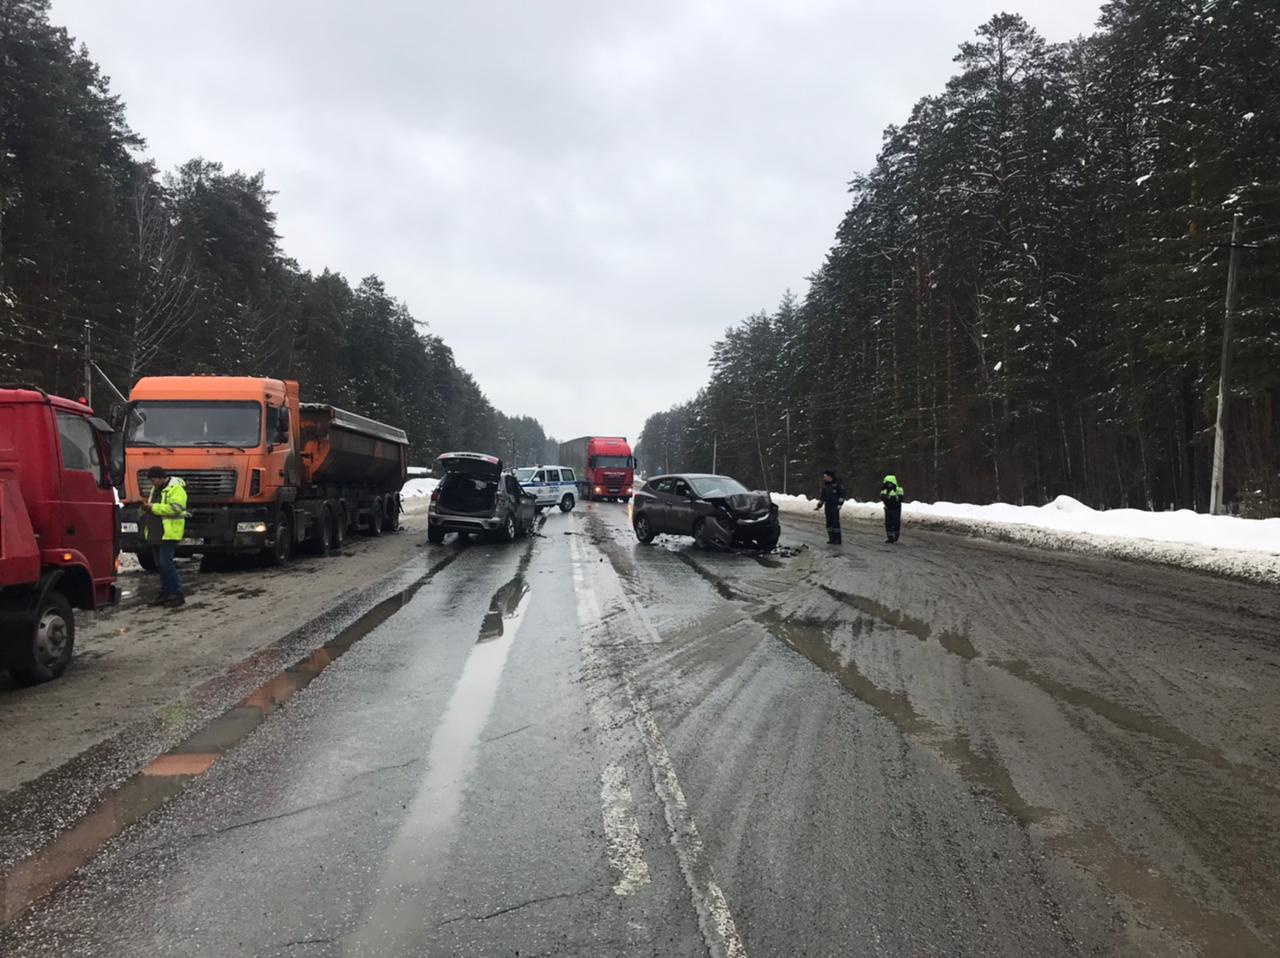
[(719, 512)]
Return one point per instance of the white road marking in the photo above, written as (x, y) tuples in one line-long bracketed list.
[(621, 831), (715, 919)]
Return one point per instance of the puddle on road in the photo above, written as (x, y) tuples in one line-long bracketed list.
[(165, 776), (1158, 896), (955, 642), (504, 605), (424, 837)]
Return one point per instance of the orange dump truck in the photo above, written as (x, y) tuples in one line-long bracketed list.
[(264, 472)]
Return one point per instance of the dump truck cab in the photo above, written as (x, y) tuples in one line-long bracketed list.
[(233, 442), (264, 472), (58, 539)]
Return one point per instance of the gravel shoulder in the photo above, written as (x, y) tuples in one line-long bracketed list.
[(132, 662)]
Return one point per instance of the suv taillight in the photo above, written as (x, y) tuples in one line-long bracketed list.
[(435, 494)]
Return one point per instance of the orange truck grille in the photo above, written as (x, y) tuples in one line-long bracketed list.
[(201, 483)]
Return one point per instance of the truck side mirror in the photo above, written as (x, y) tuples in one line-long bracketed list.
[(115, 462)]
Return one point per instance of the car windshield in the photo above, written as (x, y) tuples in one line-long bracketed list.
[(524, 475), (214, 423), (717, 487)]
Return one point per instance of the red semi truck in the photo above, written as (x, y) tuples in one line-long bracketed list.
[(58, 528), (604, 466)]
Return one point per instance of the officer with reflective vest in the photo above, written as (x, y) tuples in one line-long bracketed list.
[(891, 494), (166, 521)]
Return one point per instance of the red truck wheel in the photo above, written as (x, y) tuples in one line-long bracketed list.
[(49, 643)]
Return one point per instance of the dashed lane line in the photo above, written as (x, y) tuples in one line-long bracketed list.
[(715, 919)]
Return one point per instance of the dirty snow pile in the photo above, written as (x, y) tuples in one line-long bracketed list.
[(1223, 544)]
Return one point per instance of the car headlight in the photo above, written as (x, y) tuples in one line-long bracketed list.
[(128, 527), (260, 527)]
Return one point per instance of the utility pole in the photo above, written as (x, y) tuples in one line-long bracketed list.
[(1224, 373), (786, 459), (715, 445), (88, 370)]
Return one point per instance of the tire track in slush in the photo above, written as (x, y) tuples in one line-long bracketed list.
[(715, 919)]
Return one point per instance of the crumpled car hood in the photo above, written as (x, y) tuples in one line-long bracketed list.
[(748, 504)]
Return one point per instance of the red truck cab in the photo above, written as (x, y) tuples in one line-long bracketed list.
[(58, 528)]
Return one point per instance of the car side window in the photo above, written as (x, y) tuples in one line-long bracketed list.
[(553, 475), (539, 477), (663, 486), (681, 488), (513, 487), (79, 450), (566, 475)]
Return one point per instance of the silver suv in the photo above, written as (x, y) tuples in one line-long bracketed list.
[(476, 495)]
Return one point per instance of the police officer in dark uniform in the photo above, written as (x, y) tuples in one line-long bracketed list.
[(831, 498)]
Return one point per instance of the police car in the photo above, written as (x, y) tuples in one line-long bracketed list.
[(550, 485)]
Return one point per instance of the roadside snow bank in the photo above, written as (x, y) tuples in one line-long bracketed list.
[(419, 487), (1227, 545), (416, 494)]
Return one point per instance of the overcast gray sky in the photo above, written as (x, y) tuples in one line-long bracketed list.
[(579, 197)]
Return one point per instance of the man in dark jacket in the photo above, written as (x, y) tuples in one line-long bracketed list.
[(891, 494), (831, 498)]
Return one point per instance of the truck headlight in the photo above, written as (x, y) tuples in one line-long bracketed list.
[(260, 527), (129, 527), (599, 488)]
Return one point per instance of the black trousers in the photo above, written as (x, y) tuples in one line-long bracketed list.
[(892, 520), (833, 523)]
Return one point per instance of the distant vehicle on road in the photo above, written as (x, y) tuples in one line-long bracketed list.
[(265, 473), (58, 532), (604, 466), (549, 485), (719, 512), (476, 495)]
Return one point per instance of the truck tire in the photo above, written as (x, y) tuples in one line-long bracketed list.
[(566, 504), (282, 551), (322, 544), (392, 508), (50, 641), (435, 535), (146, 559), (377, 519)]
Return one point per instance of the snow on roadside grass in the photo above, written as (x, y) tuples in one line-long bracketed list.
[(1226, 545)]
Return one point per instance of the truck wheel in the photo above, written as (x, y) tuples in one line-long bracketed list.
[(377, 519), (644, 531), (566, 504), (322, 544), (435, 535), (392, 508), (50, 642), (146, 559), (282, 551)]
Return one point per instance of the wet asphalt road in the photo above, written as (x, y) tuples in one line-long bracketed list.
[(579, 745)]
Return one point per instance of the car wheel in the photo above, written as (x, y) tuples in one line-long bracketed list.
[(509, 529), (282, 551), (435, 535), (644, 531), (566, 504), (700, 531), (768, 542), (50, 642)]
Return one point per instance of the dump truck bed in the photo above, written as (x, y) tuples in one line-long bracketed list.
[(341, 447)]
